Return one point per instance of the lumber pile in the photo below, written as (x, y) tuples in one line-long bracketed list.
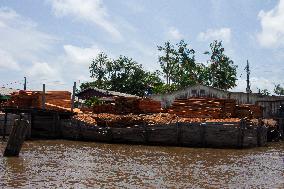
[(229, 108), (249, 111), (130, 120), (160, 118), (103, 108), (21, 99), (86, 109), (271, 123), (55, 100), (225, 120), (126, 105), (146, 105), (87, 118), (203, 108), (127, 120)]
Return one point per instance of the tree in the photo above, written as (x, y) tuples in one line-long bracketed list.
[(98, 70), (264, 92), (123, 75), (279, 90), (179, 66), (188, 72), (221, 72), (87, 85), (168, 61)]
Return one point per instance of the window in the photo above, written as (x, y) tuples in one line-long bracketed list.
[(193, 93), (202, 92)]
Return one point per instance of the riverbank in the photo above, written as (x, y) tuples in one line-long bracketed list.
[(61, 163)]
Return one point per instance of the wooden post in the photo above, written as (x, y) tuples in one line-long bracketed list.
[(202, 134), (16, 138), (73, 97), (5, 124), (43, 96), (281, 127), (241, 134), (145, 133), (178, 132), (58, 125), (29, 129)]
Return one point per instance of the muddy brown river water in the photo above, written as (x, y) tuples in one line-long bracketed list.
[(72, 164)]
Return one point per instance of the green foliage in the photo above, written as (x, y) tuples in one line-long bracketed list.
[(179, 66), (264, 92), (279, 90), (168, 61), (123, 75), (87, 85), (164, 88), (221, 71), (99, 68), (185, 73), (92, 101)]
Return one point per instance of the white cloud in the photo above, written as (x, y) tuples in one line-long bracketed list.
[(24, 48), (20, 37), (174, 33), (79, 55), (7, 61), (223, 34), (272, 24), (256, 84), (134, 6), (86, 10), (43, 70)]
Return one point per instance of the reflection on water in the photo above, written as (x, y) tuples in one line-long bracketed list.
[(82, 165)]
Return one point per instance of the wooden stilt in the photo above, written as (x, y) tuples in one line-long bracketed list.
[(16, 138)]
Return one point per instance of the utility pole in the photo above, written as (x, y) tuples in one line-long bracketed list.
[(25, 84), (73, 97), (248, 82)]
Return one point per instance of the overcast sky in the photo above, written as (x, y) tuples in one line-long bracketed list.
[(54, 41)]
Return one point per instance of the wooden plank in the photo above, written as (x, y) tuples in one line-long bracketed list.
[(16, 138)]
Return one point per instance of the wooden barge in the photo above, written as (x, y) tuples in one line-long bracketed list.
[(51, 124), (215, 135)]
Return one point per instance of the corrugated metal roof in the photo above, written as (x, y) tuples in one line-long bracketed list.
[(7, 91), (113, 93)]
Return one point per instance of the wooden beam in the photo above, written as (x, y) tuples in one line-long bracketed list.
[(43, 96), (16, 138)]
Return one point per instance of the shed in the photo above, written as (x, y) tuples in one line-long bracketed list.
[(106, 95)]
